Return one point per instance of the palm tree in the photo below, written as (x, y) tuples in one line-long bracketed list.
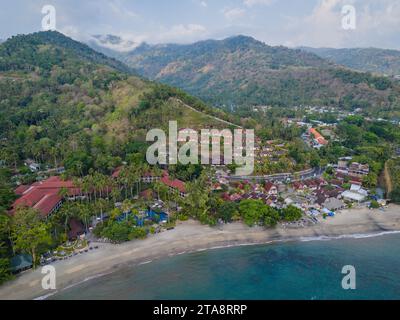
[(78, 184), (157, 187), (102, 204), (132, 178), (86, 188), (123, 180), (84, 215), (67, 213), (115, 192), (142, 170), (63, 192)]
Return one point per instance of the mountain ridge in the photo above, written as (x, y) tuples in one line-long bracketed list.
[(241, 72), (371, 59)]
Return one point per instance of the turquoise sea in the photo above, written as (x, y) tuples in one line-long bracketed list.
[(309, 270)]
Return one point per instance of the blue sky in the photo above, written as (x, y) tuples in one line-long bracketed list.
[(277, 22)]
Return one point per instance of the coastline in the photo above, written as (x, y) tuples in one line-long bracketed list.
[(190, 237)]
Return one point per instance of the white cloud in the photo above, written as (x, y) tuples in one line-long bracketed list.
[(252, 3), (119, 9), (121, 43), (233, 13), (323, 26), (180, 33), (203, 4)]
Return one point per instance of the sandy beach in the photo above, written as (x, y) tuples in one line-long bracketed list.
[(190, 236)]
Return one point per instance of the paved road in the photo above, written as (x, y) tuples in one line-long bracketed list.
[(283, 177)]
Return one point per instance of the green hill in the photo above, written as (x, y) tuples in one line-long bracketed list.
[(241, 71), (63, 103)]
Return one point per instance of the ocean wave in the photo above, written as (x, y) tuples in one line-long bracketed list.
[(232, 245), (45, 297), (348, 236)]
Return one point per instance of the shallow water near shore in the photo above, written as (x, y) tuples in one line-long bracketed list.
[(309, 270)]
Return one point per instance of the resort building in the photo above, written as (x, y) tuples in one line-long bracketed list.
[(148, 177), (174, 185), (44, 196)]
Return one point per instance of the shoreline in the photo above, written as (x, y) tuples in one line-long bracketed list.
[(189, 237)]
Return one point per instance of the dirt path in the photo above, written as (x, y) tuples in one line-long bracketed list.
[(207, 115), (388, 179)]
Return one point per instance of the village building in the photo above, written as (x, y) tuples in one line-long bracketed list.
[(334, 204), (353, 170), (319, 140), (32, 165), (358, 170), (271, 189), (355, 194)]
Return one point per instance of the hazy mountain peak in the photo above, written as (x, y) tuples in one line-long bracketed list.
[(115, 42), (242, 39), (375, 60), (56, 48)]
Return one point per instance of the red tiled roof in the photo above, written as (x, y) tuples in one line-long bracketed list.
[(77, 228), (351, 178), (320, 139), (47, 204), (44, 195), (269, 186), (30, 198), (147, 194), (235, 197), (298, 185), (21, 190), (176, 184), (117, 172)]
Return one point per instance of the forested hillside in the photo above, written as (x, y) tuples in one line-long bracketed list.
[(241, 71), (63, 103)]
